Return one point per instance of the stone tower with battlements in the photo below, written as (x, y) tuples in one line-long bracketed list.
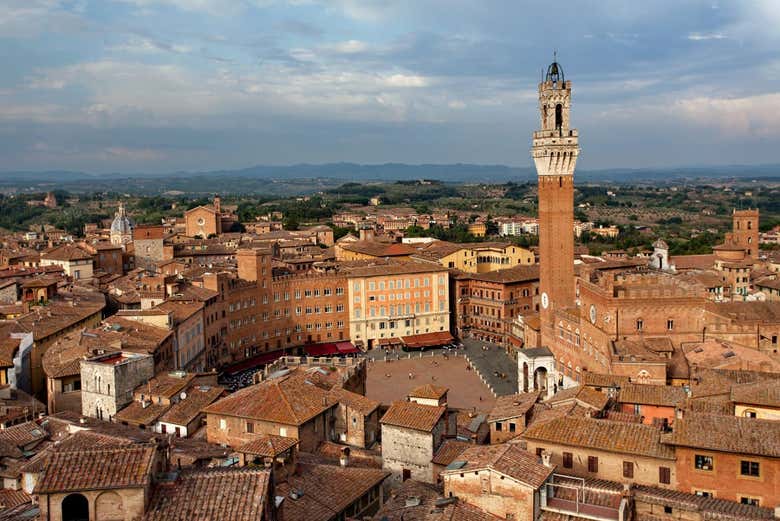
[(745, 231), (555, 150)]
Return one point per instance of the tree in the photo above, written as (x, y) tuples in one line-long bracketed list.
[(290, 223)]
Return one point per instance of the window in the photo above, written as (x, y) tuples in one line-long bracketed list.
[(667, 509), (702, 462), (593, 464), (703, 493), (749, 413), (222, 424), (498, 426), (282, 431), (749, 468), (670, 324), (664, 475), (749, 501), (628, 469), (250, 427), (512, 427), (539, 451), (639, 324), (568, 460)]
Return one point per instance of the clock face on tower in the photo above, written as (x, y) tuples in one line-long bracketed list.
[(592, 314), (545, 300)]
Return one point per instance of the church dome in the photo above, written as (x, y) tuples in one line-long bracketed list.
[(121, 224)]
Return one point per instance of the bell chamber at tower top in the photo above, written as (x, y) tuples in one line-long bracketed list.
[(555, 145)]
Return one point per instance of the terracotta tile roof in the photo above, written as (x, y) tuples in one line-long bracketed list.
[(186, 410), (354, 401), (13, 498), (583, 395), (661, 395), (224, 494), (563, 395), (747, 311), (427, 506), (126, 467), (379, 249), (719, 354), (135, 413), (512, 406), (66, 252), (85, 440), (380, 268), (726, 434), (181, 311), (330, 452), (166, 384), (756, 394), (508, 459), (603, 380), (189, 292), (327, 490), (610, 436), (590, 397), (715, 382), (513, 275), (687, 262), (63, 423), (116, 334), (411, 415), (23, 434), (287, 400), (268, 445), (429, 391), (61, 314), (542, 412), (710, 507), (192, 451), (449, 451), (720, 404), (620, 416)]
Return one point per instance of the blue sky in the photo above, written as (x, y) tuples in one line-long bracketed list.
[(163, 85)]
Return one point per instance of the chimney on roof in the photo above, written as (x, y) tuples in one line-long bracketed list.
[(344, 457), (546, 458)]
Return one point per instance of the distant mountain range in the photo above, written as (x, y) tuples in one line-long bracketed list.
[(305, 178)]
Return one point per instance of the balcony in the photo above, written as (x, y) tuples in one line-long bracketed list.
[(596, 500)]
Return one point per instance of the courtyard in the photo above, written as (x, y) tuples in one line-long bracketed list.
[(389, 381)]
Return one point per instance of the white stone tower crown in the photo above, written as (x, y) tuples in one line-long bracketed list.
[(555, 145)]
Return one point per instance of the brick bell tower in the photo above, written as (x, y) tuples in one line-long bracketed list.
[(555, 151)]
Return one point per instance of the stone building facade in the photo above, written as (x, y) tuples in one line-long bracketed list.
[(148, 245), (108, 381)]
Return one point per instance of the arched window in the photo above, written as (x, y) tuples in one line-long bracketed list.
[(75, 507), (558, 116)]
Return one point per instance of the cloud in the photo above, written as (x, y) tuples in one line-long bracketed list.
[(696, 37), (348, 47), (140, 45), (212, 7)]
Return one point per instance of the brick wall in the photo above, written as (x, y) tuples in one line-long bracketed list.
[(610, 465)]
